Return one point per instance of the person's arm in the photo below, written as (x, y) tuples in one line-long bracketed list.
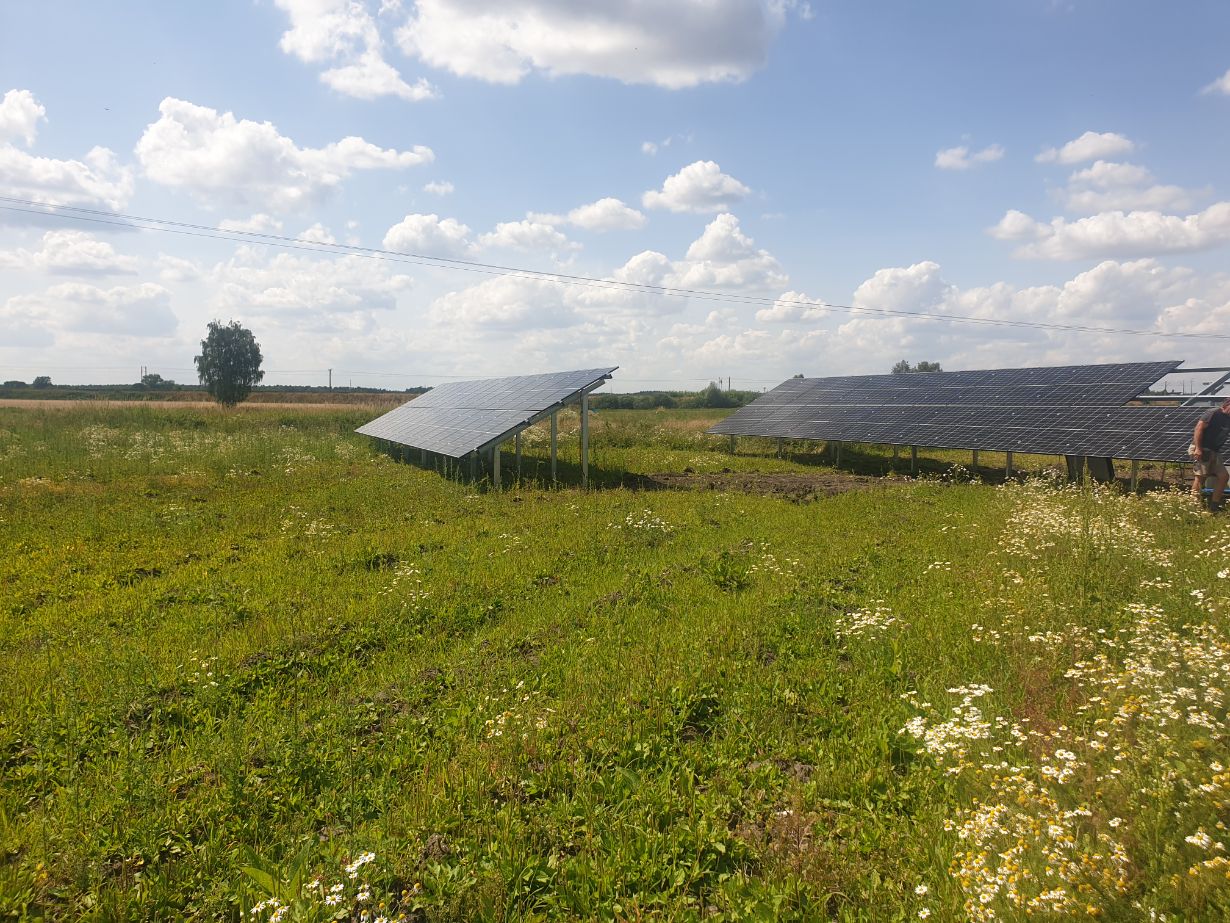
[(1198, 436)]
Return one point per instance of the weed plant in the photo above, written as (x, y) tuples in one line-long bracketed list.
[(252, 668)]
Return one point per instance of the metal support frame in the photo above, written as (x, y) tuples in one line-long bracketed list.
[(554, 443), (1208, 391), (1135, 474), (1007, 464), (585, 440), (974, 460), (453, 466), (837, 453), (781, 446), (913, 459), (732, 443), (1076, 468), (1191, 400), (1101, 469)]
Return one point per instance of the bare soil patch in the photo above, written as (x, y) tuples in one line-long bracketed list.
[(797, 487)]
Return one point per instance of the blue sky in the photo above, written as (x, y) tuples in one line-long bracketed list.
[(1057, 164)]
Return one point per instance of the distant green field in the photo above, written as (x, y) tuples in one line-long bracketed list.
[(251, 668)]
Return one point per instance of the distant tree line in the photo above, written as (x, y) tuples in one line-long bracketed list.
[(42, 381), (713, 395), (904, 368)]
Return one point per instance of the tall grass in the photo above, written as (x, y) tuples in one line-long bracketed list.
[(240, 652)]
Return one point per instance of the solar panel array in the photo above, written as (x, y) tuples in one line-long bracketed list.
[(1073, 384), (1066, 410), (461, 417)]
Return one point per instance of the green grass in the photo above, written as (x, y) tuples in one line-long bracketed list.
[(248, 641)]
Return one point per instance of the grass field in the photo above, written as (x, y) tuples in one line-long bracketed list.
[(249, 667)]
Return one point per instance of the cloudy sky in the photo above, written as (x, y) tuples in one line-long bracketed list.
[(836, 185)]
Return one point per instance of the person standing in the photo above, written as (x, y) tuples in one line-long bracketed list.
[(1207, 449)]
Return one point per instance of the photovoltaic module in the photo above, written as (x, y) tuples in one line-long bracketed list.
[(461, 417), (1064, 410)]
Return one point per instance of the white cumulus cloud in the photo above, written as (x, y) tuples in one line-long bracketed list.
[(317, 234), (215, 155), (1109, 186), (294, 286), (177, 269), (260, 223), (1117, 234), (913, 288), (428, 235), (76, 307), (344, 33), (20, 114), (1091, 145), (1221, 85), (699, 187), (98, 180), (503, 305), (439, 187), (1138, 294), (960, 158), (528, 236), (20, 330), (724, 257), (1016, 225), (608, 214), (371, 77), (792, 307), (70, 253), (672, 43)]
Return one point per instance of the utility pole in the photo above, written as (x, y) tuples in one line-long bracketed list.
[(330, 379)]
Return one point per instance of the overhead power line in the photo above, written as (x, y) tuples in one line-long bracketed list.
[(144, 223)]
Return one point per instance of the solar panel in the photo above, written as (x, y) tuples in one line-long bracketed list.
[(1068, 410), (461, 417), (1073, 384)]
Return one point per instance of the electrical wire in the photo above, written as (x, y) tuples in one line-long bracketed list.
[(138, 222)]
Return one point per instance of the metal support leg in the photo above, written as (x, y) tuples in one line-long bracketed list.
[(1008, 465), (837, 454), (1076, 468), (732, 444), (518, 445), (423, 457), (1135, 474), (554, 441), (495, 467), (913, 459), (585, 440), (781, 446), (1101, 469), (974, 461)]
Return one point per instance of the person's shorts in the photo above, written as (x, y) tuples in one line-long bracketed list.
[(1209, 464)]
